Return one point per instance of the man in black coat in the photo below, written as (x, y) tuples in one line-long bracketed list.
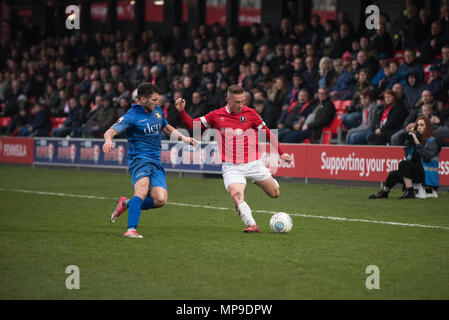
[(40, 125), (292, 118), (321, 117)]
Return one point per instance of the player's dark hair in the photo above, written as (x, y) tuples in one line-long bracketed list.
[(235, 89), (146, 89)]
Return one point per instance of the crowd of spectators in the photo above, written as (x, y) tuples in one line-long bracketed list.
[(291, 74)]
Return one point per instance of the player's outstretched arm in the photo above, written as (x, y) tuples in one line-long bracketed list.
[(108, 136), (180, 105), (171, 131)]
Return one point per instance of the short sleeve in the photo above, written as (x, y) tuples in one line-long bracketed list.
[(123, 123), (208, 120), (164, 121), (258, 123)]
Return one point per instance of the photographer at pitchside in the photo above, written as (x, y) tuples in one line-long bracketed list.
[(420, 164)]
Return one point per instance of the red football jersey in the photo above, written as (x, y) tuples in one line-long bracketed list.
[(238, 138)]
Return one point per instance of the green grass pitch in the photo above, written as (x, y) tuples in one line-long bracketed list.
[(197, 252)]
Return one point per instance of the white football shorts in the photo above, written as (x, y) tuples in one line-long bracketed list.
[(254, 171)]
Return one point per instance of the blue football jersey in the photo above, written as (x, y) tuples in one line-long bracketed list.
[(143, 132)]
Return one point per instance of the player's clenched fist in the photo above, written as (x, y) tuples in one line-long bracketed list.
[(286, 157), (108, 146), (180, 104)]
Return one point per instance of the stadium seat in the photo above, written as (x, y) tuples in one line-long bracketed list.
[(340, 106), (426, 69), (423, 192), (328, 132), (55, 122), (4, 121), (399, 56)]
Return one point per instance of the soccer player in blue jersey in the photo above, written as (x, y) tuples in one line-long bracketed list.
[(143, 124)]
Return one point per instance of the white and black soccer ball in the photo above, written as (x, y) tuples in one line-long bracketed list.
[(281, 222)]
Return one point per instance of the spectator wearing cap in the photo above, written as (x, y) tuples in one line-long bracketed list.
[(384, 64), (342, 89)]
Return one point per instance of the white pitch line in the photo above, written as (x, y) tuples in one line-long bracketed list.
[(223, 208)]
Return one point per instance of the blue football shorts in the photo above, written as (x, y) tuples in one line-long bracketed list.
[(140, 168)]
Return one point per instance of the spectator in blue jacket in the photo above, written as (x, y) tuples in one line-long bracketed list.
[(411, 64), (68, 125), (343, 87)]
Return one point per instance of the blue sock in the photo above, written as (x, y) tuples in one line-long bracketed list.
[(148, 203), (134, 206)]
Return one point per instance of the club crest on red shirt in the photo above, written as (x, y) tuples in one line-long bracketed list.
[(242, 119)]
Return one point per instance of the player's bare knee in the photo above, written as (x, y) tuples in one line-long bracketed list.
[(160, 200), (237, 196)]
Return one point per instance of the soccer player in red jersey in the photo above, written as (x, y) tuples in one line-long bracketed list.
[(237, 138)]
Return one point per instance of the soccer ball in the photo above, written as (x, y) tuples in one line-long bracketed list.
[(281, 222)]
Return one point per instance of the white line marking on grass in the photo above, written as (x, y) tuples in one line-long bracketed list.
[(59, 194), (223, 208)]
